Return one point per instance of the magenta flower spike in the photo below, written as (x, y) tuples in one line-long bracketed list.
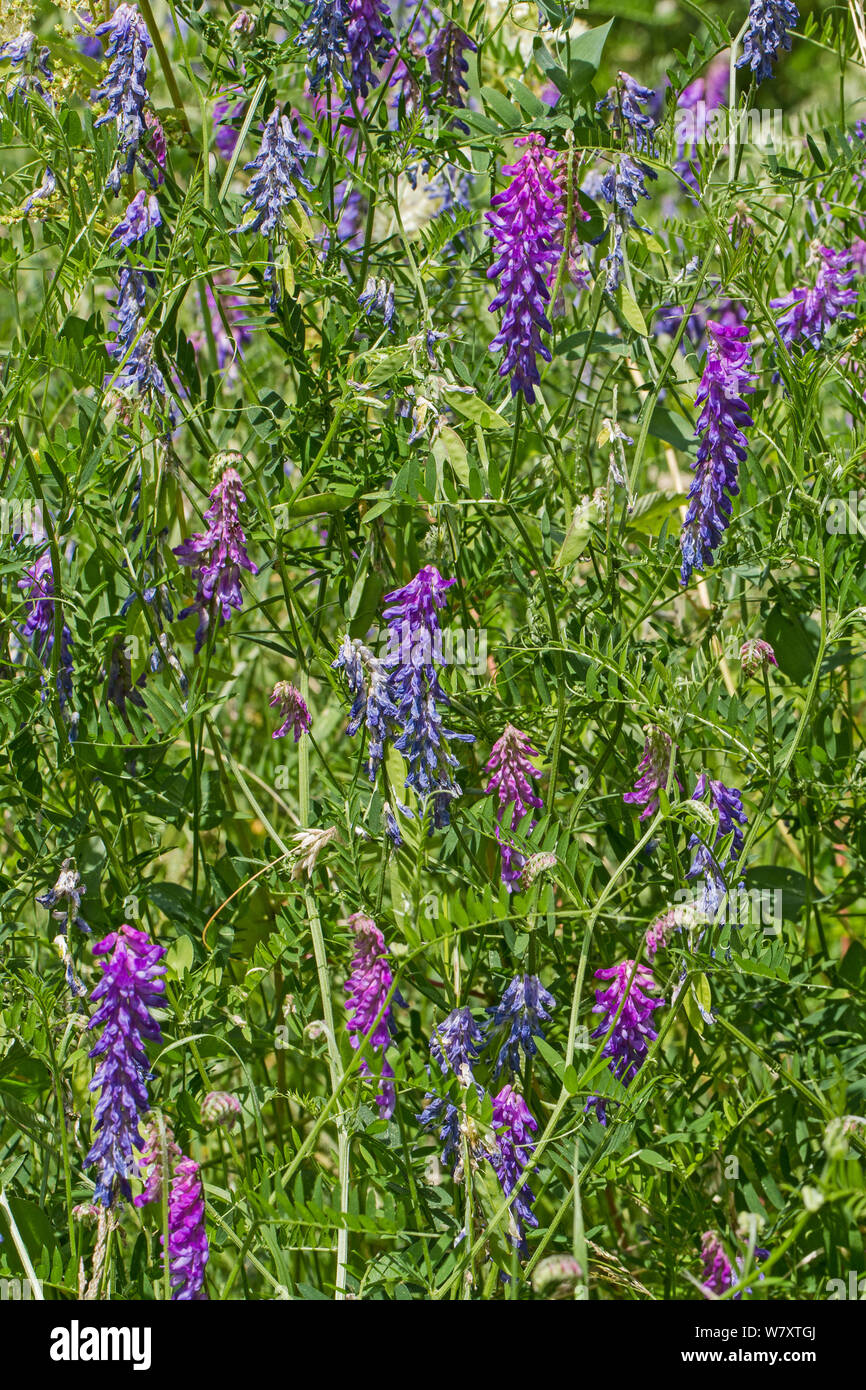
[(525, 222), (216, 556), (511, 777), (366, 990)]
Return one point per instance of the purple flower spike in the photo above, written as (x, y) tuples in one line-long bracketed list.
[(653, 770), (324, 35), (717, 1274), (767, 35), (727, 377), (293, 710), (805, 315), (217, 556), (524, 1006), (511, 781), (142, 216), (415, 644), (369, 41), (366, 990), (125, 87), (526, 223), (728, 804), (448, 65), (38, 631), (277, 170), (130, 988), (514, 1127), (445, 1114), (188, 1249), (456, 1045), (628, 1044), (372, 701)]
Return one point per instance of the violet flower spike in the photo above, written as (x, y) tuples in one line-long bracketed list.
[(514, 1126), (125, 86), (526, 225), (628, 1044), (324, 34), (38, 632), (804, 315), (278, 169), (292, 710), (142, 216), (130, 989), (727, 377), (415, 642), (188, 1249), (217, 556), (523, 1008), (767, 35), (369, 40), (510, 781), (366, 991), (449, 66), (456, 1044), (373, 704), (728, 804)]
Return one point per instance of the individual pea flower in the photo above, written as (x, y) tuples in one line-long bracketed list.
[(125, 86), (525, 223), (324, 35), (33, 64), (511, 775), (804, 316), (130, 989), (220, 1108), (625, 102), (514, 1127), (278, 169), (307, 846), (627, 999), (64, 899), (767, 35), (448, 64), (726, 379), (369, 41), (293, 710), (456, 1044), (653, 770), (217, 555), (142, 216), (188, 1249), (373, 703), (46, 189), (414, 633), (523, 1008), (377, 298), (367, 989), (756, 655)]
